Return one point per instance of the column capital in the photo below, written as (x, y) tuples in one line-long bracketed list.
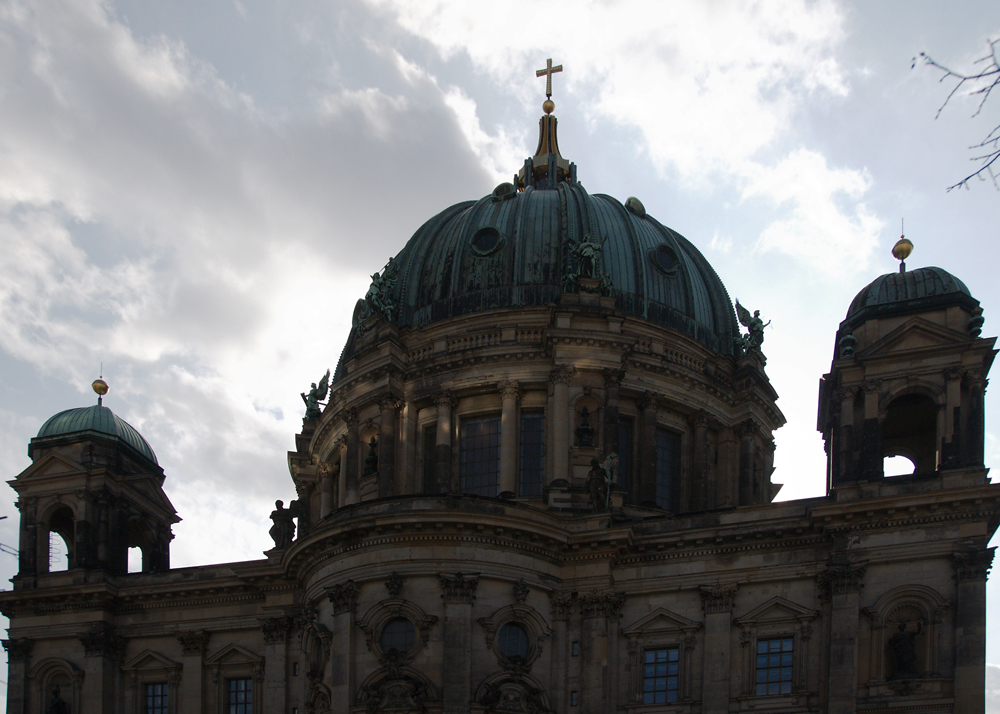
[(718, 597), (457, 587), (602, 603), (840, 579), (559, 604), (872, 385), (843, 394), (747, 428), (509, 389), (446, 400), (389, 401), (193, 642), (349, 416), (276, 629), (18, 649), (103, 641), (649, 401), (343, 597), (560, 374), (613, 378), (973, 564)]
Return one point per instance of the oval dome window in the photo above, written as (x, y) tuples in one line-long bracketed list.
[(486, 241)]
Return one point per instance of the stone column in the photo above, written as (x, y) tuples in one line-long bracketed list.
[(458, 592), (508, 436), (326, 486), (972, 566), (746, 431), (18, 661), (406, 475), (343, 689), (276, 631), (699, 462), (190, 689), (842, 583), (599, 614), (612, 386), (27, 554), (727, 474), (717, 601), (559, 606), (647, 451), (560, 422), (974, 423), (342, 471), (388, 406), (442, 449), (845, 452), (871, 436), (102, 650), (351, 494)]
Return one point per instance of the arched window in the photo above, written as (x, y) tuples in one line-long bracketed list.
[(59, 541), (910, 429), (398, 634), (512, 640)]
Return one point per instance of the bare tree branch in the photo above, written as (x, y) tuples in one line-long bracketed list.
[(980, 83)]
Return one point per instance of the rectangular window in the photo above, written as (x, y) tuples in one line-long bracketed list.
[(239, 696), (532, 476), (430, 455), (774, 665), (668, 467), (155, 699), (624, 476), (479, 468), (660, 676)]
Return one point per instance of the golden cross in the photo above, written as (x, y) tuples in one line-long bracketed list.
[(548, 72)]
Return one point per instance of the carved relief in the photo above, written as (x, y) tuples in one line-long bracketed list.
[(343, 597), (973, 564), (275, 629), (718, 597), (394, 584), (456, 587), (842, 578), (102, 641), (602, 603), (193, 642)]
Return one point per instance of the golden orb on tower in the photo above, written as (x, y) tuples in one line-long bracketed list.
[(902, 249), (548, 106), (100, 387)]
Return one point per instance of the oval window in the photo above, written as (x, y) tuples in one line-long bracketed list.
[(512, 641), (486, 241), (664, 259), (398, 634)]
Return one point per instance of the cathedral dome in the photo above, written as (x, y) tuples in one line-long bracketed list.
[(97, 420), (910, 291), (515, 249)]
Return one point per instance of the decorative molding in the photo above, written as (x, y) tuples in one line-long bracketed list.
[(349, 417), (445, 399), (520, 591), (747, 429), (456, 587), (973, 564), (559, 604), (718, 597), (103, 642), (193, 642), (344, 597), (613, 378), (389, 401), (843, 578), (872, 385), (509, 390), (394, 585), (648, 401)]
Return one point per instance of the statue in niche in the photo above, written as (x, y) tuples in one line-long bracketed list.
[(283, 530), (371, 461), (755, 327), (904, 652), (585, 432), (599, 485), (378, 297), (315, 396), (588, 255), (56, 704)]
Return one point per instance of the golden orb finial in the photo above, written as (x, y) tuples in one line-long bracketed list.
[(901, 251), (548, 106), (100, 387)]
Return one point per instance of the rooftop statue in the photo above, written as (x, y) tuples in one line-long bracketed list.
[(283, 530), (315, 396), (755, 327), (378, 297)]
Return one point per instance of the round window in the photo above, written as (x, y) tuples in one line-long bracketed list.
[(486, 241), (513, 641), (664, 258), (398, 634)]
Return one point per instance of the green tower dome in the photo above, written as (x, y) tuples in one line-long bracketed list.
[(97, 420)]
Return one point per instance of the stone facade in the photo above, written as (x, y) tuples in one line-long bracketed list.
[(455, 551)]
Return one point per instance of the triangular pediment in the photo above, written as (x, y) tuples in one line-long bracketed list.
[(915, 334), (51, 465), (150, 660), (777, 609), (233, 654), (659, 621)]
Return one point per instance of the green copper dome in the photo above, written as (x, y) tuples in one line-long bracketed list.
[(913, 290), (97, 420), (514, 248)]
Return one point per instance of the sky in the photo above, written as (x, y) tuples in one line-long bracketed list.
[(193, 194)]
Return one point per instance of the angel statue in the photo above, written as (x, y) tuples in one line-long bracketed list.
[(315, 396), (755, 327)]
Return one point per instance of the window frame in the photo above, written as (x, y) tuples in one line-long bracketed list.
[(780, 667), (661, 629), (240, 707), (645, 678), (493, 484), (539, 415), (672, 474)]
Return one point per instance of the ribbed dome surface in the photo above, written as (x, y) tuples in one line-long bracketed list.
[(97, 419), (902, 292), (512, 250)]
